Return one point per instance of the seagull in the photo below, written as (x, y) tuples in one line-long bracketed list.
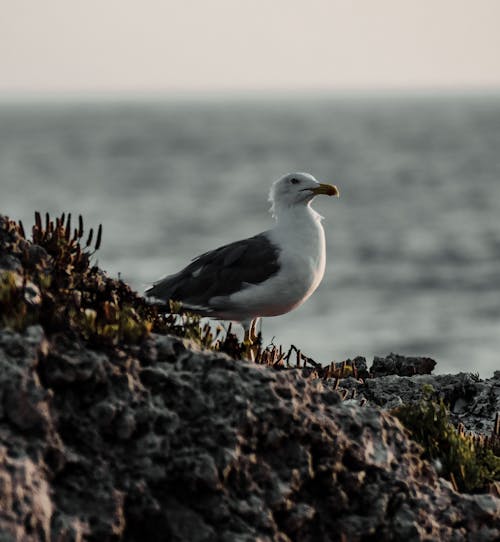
[(268, 274)]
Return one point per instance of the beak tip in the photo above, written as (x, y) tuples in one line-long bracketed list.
[(328, 190), (334, 192)]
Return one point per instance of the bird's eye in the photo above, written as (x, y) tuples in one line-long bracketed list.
[(294, 181)]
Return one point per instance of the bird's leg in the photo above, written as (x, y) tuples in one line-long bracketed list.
[(251, 334), (253, 330), (250, 340), (247, 328)]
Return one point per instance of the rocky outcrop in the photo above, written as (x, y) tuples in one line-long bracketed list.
[(473, 402), (109, 433), (164, 441), (401, 365)]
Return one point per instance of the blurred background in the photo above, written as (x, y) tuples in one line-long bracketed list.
[(168, 121)]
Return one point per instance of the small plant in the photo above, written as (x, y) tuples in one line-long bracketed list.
[(469, 467), (72, 293), (13, 309)]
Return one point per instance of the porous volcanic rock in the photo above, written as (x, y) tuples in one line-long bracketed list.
[(473, 402), (165, 442), (401, 365)]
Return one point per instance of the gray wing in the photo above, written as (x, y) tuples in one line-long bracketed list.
[(220, 272)]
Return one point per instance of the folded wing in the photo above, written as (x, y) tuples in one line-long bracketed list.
[(220, 272)]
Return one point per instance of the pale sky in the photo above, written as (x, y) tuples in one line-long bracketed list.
[(234, 45)]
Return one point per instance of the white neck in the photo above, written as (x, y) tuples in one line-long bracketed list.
[(287, 215), (299, 228)]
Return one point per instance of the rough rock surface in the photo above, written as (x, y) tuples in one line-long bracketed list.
[(473, 402), (401, 365), (164, 442)]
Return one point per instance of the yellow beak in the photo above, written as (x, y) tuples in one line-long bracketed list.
[(327, 189)]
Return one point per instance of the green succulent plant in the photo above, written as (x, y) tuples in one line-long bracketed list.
[(470, 463)]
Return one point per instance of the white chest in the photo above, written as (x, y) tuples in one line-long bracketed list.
[(302, 256), (301, 239)]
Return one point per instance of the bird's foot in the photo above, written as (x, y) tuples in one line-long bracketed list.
[(252, 341), (252, 347)]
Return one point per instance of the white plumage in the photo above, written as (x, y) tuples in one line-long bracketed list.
[(266, 275)]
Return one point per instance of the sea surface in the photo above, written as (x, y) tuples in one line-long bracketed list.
[(413, 244)]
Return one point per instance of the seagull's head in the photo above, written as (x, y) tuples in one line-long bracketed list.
[(298, 189)]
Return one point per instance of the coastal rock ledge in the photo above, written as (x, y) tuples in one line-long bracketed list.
[(165, 441)]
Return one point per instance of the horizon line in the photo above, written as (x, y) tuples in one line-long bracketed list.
[(208, 94)]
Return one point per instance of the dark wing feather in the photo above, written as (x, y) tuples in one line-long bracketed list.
[(220, 272)]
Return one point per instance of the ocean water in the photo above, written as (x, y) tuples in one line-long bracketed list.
[(413, 244)]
